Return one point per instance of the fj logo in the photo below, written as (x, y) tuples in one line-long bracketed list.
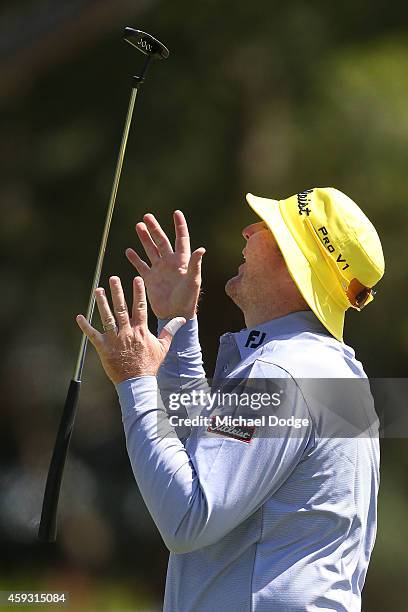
[(253, 335)]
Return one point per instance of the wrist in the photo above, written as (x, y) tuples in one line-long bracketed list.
[(186, 338), (132, 375), (167, 316), (137, 393)]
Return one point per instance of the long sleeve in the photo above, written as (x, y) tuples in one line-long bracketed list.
[(182, 368), (195, 492), (184, 359)]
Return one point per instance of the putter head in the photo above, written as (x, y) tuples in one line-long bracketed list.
[(146, 43)]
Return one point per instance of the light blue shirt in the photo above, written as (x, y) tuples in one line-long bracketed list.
[(281, 522)]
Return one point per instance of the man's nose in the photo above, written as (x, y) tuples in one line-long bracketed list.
[(251, 229)]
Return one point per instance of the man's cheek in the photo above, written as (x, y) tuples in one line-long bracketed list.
[(256, 265)]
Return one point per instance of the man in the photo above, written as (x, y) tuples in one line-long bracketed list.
[(256, 520)]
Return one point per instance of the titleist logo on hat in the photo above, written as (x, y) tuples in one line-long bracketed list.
[(304, 202)]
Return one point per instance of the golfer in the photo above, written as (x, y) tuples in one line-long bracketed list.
[(255, 518)]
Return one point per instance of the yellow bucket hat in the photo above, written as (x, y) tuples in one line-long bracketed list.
[(331, 249)]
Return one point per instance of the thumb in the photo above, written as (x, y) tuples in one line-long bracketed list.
[(170, 330), (194, 266)]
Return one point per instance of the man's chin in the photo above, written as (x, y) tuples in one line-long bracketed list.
[(231, 287)]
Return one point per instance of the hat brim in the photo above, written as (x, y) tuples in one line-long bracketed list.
[(307, 281)]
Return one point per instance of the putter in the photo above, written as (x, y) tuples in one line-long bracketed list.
[(153, 49)]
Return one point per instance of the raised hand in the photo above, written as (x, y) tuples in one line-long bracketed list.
[(127, 348), (173, 279)]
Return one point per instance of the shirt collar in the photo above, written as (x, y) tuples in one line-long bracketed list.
[(292, 324)]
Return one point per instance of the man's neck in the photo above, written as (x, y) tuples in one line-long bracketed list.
[(256, 317)]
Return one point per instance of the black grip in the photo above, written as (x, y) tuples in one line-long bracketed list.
[(48, 525)]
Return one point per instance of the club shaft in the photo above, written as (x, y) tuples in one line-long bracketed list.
[(48, 523), (97, 274)]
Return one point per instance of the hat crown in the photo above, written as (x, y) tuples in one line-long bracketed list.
[(346, 234)]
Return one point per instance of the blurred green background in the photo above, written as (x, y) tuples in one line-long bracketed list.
[(268, 97)]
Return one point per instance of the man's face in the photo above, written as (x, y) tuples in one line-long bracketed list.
[(257, 274)]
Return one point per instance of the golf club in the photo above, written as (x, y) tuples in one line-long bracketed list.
[(153, 49)]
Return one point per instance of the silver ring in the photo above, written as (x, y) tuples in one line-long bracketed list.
[(109, 327), (121, 310)]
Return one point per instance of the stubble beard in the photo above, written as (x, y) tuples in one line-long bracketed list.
[(232, 289)]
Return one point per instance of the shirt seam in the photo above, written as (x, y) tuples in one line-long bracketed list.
[(300, 390), (251, 591)]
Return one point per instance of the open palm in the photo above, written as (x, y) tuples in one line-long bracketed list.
[(173, 279)]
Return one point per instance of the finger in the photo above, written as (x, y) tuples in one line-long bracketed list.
[(158, 235), (139, 310), (95, 337), (169, 331), (140, 265), (105, 312), (194, 266), (182, 236), (119, 302), (145, 238)]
